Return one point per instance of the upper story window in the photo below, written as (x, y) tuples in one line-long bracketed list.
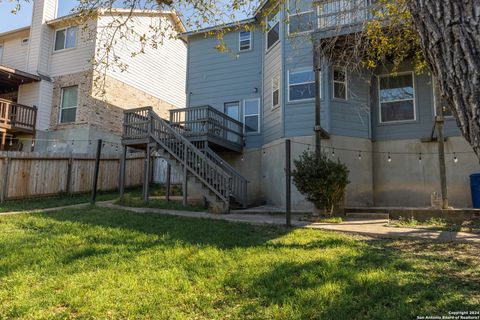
[(333, 13), (275, 91), (273, 27), (396, 97), (339, 83), (65, 38), (301, 17), (301, 85), (245, 40), (68, 104), (25, 41), (251, 115)]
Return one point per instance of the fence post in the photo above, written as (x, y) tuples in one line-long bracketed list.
[(123, 166), (288, 178), (95, 173), (169, 175), (68, 188), (4, 193), (146, 179)]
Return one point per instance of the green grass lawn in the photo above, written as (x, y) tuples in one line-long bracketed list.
[(96, 263), (66, 200)]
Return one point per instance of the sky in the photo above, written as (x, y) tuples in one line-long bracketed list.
[(9, 21)]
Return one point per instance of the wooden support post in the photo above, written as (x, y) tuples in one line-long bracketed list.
[(318, 125), (288, 186), (185, 178), (95, 172), (3, 141), (168, 185), (4, 194), (146, 179), (68, 187), (441, 160), (123, 166)]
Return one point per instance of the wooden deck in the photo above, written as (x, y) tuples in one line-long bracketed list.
[(16, 118)]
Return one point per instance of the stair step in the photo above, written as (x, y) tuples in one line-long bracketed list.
[(368, 215)]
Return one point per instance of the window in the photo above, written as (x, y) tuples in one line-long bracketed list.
[(245, 40), (251, 115), (333, 13), (68, 104), (301, 18), (397, 98), (339, 83), (301, 85), (65, 38), (25, 41), (273, 27), (275, 91), (437, 98)]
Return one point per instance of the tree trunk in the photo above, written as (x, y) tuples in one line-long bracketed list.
[(449, 32)]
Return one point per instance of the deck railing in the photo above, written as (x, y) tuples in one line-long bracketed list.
[(17, 117), (207, 121), (338, 13)]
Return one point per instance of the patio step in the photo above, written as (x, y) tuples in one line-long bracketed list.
[(368, 215)]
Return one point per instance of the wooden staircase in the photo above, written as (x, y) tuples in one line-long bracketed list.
[(217, 181)]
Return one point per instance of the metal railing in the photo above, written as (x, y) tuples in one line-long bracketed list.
[(207, 121), (143, 123), (17, 117), (340, 13)]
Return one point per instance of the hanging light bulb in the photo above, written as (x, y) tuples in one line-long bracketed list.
[(263, 151), (389, 159), (455, 159), (11, 141), (420, 157), (333, 152), (241, 159), (359, 155)]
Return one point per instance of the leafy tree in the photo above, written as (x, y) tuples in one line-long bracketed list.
[(321, 180)]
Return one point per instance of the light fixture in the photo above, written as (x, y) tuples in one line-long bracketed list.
[(359, 155), (389, 159), (420, 157), (333, 152), (455, 159)]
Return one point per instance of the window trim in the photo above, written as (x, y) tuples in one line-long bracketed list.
[(61, 108), (65, 41), (451, 117), (267, 48), (277, 75), (300, 70), (345, 82), (258, 115), (380, 121), (249, 41), (302, 32)]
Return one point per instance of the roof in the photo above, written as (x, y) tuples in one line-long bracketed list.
[(11, 78), (218, 27), (178, 22), (9, 32)]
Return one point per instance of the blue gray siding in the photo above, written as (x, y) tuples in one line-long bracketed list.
[(215, 78)]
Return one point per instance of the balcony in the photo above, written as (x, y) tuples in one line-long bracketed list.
[(207, 124), (17, 118)]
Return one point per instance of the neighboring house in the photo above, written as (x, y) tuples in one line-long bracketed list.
[(47, 86), (265, 80)]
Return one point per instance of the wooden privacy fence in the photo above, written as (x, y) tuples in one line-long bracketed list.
[(24, 175)]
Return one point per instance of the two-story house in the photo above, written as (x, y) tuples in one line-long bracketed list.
[(378, 124), (48, 89)]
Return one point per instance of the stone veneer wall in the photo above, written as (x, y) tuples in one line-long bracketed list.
[(102, 112)]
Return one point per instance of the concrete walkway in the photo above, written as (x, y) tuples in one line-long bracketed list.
[(374, 228)]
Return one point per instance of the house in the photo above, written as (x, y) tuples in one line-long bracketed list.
[(49, 87), (379, 125)]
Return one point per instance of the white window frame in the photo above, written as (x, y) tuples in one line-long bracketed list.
[(345, 83), (64, 41), (62, 108), (414, 99), (435, 104), (289, 84), (267, 48), (258, 115), (249, 41), (300, 13), (276, 77)]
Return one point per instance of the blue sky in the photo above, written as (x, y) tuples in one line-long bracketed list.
[(23, 18)]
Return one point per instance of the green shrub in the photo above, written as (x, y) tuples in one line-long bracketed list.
[(322, 181)]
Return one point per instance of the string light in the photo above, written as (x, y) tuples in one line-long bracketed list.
[(333, 153), (359, 155), (455, 159), (389, 159), (420, 157)]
